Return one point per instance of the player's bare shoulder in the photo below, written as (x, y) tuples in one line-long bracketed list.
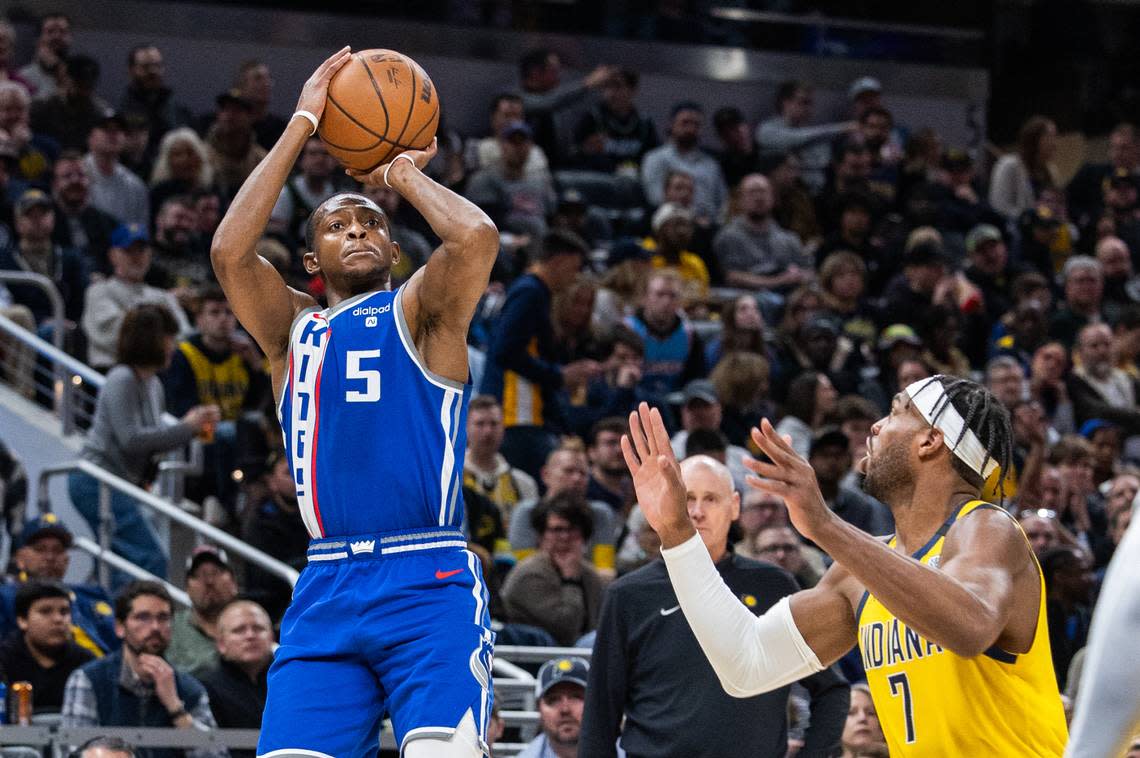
[(989, 534)]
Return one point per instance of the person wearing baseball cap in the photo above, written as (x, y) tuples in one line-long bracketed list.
[(114, 188), (211, 584), (108, 300), (989, 270), (561, 692), (32, 250), (40, 553)]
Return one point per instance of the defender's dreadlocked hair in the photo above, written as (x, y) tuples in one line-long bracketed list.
[(987, 418)]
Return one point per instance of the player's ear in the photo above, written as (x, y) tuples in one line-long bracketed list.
[(310, 262), (396, 252), (929, 442)]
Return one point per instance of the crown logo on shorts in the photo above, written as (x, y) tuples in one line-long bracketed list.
[(363, 546)]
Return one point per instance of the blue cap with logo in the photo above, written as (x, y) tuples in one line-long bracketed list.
[(126, 235), (45, 525), (574, 670)]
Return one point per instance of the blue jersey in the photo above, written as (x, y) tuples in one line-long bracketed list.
[(375, 439)]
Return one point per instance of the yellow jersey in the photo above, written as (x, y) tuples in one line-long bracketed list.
[(933, 703)]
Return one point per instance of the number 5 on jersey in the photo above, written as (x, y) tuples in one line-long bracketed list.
[(900, 684), (356, 370)]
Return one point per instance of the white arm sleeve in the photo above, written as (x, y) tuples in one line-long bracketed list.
[(750, 654), (1107, 712)]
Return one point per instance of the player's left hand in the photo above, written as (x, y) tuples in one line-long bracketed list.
[(790, 477), (657, 479), (375, 177)]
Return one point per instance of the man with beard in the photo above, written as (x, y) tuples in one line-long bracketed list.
[(609, 478), (674, 352), (180, 260), (52, 48), (309, 188), (78, 223), (230, 143), (1097, 388), (135, 686), (755, 252), (148, 95), (561, 692), (683, 153), (211, 585), (949, 614), (42, 651), (1120, 288)]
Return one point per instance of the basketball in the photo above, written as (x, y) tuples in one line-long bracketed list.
[(380, 104)]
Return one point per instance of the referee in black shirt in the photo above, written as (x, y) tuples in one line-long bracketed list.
[(648, 667)]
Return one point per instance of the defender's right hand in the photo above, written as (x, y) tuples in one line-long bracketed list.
[(315, 92)]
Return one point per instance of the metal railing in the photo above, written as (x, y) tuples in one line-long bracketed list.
[(108, 482)]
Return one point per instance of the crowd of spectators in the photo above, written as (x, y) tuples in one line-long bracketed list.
[(800, 271)]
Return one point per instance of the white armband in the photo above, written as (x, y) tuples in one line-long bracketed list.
[(749, 654)]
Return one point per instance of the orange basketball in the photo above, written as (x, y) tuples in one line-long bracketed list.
[(380, 104)]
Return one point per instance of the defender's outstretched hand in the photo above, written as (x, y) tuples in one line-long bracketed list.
[(790, 477), (375, 177), (656, 476), (315, 92)]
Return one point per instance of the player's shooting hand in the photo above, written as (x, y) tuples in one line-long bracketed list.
[(789, 476), (375, 177), (657, 476), (315, 92)]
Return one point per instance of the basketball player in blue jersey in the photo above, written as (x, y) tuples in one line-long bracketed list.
[(390, 615)]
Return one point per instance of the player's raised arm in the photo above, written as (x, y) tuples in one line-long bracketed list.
[(798, 636), (964, 605), (441, 298), (261, 300)]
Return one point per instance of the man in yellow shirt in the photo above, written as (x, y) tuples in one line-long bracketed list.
[(672, 227)]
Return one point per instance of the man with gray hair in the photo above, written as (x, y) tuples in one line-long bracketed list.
[(1005, 378), (33, 153), (648, 667), (1083, 280), (1097, 388)]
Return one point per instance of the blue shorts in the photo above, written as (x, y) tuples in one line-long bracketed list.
[(392, 623)]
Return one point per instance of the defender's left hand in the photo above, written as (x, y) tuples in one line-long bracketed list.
[(790, 477)]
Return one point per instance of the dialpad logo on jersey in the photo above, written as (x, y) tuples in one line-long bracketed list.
[(371, 310), (363, 546)]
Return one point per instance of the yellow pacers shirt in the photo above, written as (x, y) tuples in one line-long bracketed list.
[(934, 703)]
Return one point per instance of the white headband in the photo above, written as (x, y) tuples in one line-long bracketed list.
[(928, 396)]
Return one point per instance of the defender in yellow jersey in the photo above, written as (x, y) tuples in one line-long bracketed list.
[(949, 614)]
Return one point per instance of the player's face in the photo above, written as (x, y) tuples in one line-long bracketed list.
[(352, 246), (48, 624), (560, 710), (713, 505), (887, 462), (147, 626), (245, 634), (46, 558)]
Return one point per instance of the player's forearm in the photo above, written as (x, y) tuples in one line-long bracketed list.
[(245, 221), (934, 604), (461, 224)]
